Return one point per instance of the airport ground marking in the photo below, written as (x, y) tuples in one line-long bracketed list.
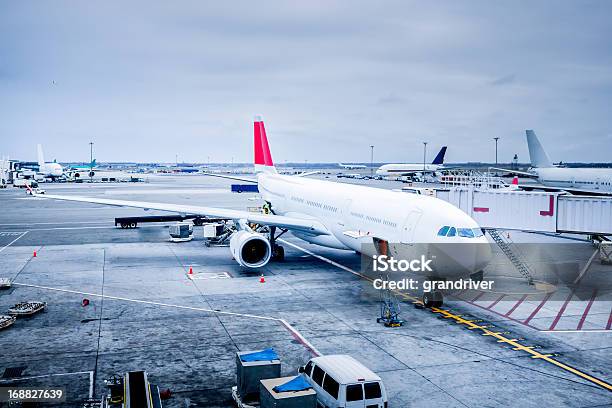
[(530, 350), (34, 377), (13, 241), (294, 332)]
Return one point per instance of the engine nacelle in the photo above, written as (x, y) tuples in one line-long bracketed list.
[(250, 249)]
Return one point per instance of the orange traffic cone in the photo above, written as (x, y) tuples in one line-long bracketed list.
[(34, 255), (190, 270), (262, 279)]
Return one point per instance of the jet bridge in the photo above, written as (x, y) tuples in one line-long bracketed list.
[(533, 211)]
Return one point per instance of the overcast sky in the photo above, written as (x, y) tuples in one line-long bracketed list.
[(147, 80)]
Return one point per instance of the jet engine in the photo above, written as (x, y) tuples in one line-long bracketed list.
[(250, 249)]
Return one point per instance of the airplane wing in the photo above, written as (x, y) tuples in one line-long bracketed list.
[(309, 226), (308, 173), (523, 173), (248, 180)]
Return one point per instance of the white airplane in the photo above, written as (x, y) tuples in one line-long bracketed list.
[(368, 220), (405, 169), (51, 169), (576, 180), (352, 166)]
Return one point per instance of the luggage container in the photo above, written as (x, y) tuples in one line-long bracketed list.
[(253, 366), (287, 392), (181, 232), (213, 230)]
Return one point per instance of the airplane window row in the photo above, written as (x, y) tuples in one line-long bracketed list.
[(315, 204), (447, 231)]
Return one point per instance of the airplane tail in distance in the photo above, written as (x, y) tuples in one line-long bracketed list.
[(440, 157), (41, 158), (263, 158), (538, 156)]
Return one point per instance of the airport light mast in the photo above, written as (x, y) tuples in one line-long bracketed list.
[(91, 173), (424, 154), (496, 139), (371, 160)]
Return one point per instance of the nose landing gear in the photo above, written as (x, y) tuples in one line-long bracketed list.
[(433, 299)]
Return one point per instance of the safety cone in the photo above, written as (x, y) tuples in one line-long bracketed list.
[(190, 270), (262, 279), (34, 254)]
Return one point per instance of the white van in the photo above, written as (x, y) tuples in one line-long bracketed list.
[(342, 381)]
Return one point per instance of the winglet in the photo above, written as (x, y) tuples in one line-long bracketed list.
[(263, 159)]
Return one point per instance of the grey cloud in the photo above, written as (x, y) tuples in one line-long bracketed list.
[(330, 78)]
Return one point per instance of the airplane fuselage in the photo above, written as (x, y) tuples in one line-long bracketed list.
[(356, 215), (406, 168), (588, 180)]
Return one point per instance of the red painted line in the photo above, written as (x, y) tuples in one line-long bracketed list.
[(586, 311), (537, 309), (496, 302), (477, 297), (609, 321), (481, 209), (551, 207), (554, 323), (516, 305)]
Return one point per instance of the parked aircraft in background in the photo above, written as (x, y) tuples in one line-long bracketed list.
[(406, 169), (574, 180), (368, 220), (352, 166), (52, 170)]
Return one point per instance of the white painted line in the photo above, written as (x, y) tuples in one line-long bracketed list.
[(86, 228), (91, 378), (577, 331), (146, 302), (55, 223), (209, 275), (13, 241), (296, 334), (586, 267), (322, 258)]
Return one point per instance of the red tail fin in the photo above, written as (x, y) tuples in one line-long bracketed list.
[(263, 158)]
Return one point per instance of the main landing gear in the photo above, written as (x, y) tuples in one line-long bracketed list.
[(278, 252)]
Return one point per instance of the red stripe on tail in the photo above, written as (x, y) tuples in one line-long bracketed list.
[(260, 143)]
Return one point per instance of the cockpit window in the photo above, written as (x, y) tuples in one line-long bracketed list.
[(443, 231), (466, 232), (447, 231)]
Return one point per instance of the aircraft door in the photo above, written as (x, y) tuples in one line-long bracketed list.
[(409, 227)]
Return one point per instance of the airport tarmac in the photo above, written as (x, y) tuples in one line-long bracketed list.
[(146, 313)]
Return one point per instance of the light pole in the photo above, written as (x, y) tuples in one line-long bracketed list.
[(91, 162), (424, 154), (496, 139), (371, 160)]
